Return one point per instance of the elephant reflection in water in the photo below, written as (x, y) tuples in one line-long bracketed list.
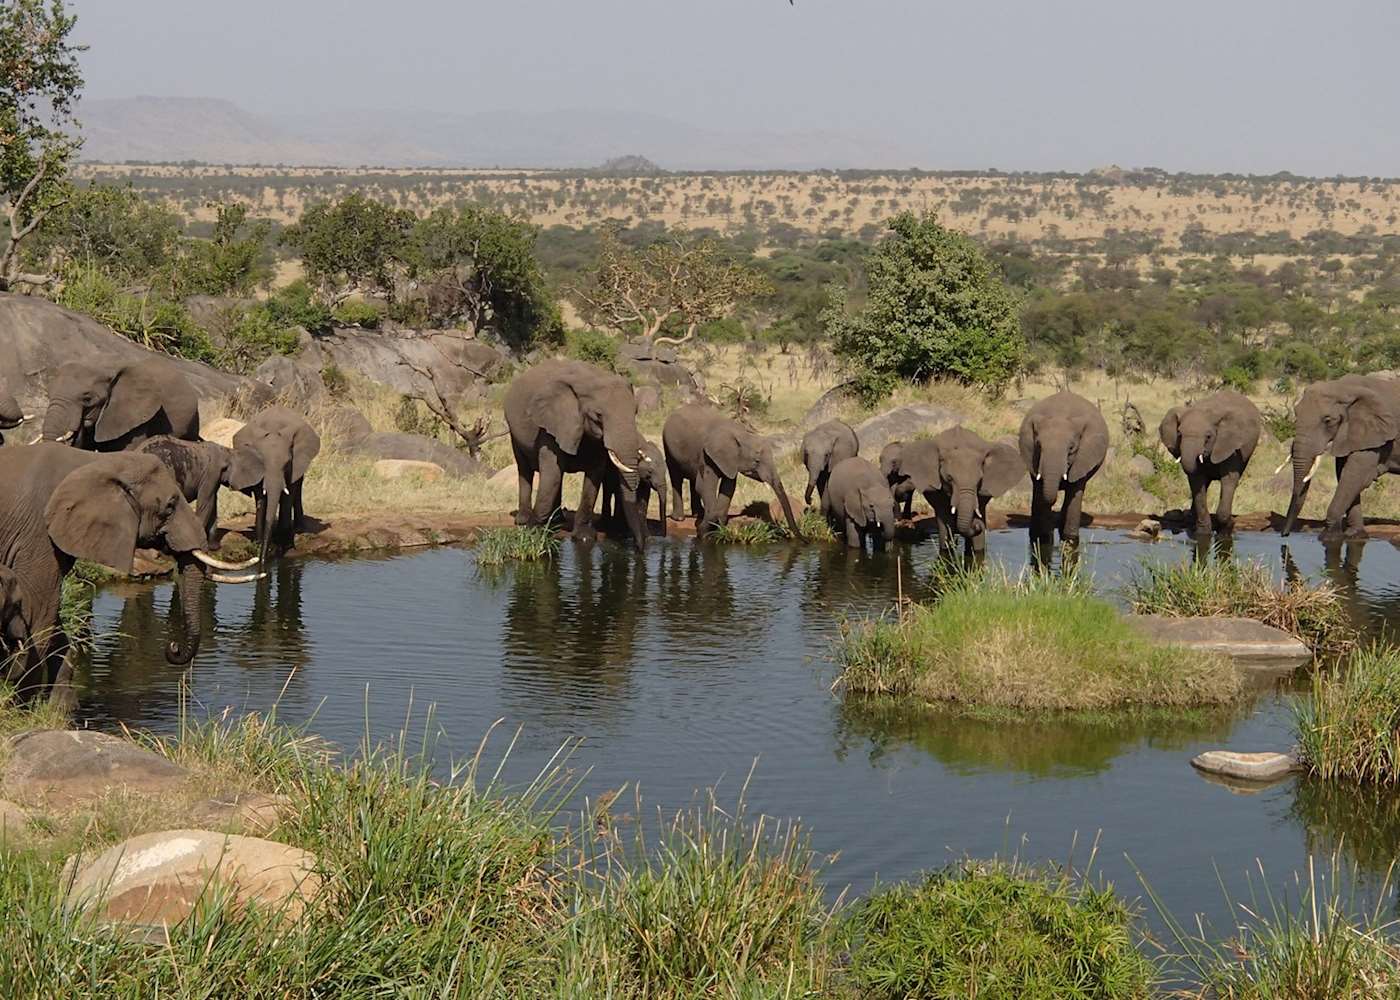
[(275, 631), (1341, 562)]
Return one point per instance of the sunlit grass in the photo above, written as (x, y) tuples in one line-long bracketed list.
[(1350, 728), (519, 543)]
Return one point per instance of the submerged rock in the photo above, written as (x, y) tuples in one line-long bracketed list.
[(1255, 767), (1240, 638), (63, 768)]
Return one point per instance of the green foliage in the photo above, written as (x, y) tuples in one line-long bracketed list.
[(935, 310), (354, 312), (814, 526), (256, 335), (233, 262), (145, 317), (1350, 729), (1238, 378), (295, 305), (109, 229), (1279, 421), (350, 245), (748, 531), (594, 346), (411, 417), (994, 930), (337, 385), (497, 546), (1312, 612)]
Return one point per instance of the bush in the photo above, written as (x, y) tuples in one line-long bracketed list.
[(1033, 644), (354, 312), (497, 546), (594, 346), (1350, 729), (255, 336), (335, 381), (411, 418), (997, 931), (1280, 422), (145, 316), (935, 310), (295, 305)]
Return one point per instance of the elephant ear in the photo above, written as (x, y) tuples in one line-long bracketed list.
[(556, 408), (93, 516), (245, 467), (722, 449), (1093, 449), (1002, 469), (856, 511), (1370, 423), (1026, 441), (1170, 431), (136, 397), (1232, 432), (306, 445)]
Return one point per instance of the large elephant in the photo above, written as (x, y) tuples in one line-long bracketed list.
[(823, 448), (1213, 439), (1357, 418), (651, 478), (108, 409), (858, 503), (271, 454), (959, 472), (200, 467), (59, 505), (710, 451), (570, 416), (1063, 441)]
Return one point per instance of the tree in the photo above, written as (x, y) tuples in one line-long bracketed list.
[(110, 228), (233, 262), (678, 281), (39, 85), (935, 310), (353, 245)]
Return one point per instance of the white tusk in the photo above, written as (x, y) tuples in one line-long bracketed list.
[(1281, 466), (210, 561), (618, 462), (63, 437), (1313, 471), (952, 508), (1201, 459), (25, 418), (286, 492), (1037, 477), (249, 578)]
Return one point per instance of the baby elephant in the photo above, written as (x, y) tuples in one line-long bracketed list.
[(200, 467), (651, 478), (1213, 438), (859, 504), (825, 447), (891, 455)]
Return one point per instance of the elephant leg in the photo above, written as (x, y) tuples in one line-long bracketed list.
[(61, 670), (1042, 515), (1200, 512), (525, 477), (260, 514), (1225, 509), (583, 517), (1070, 512), (1354, 473), (697, 498), (298, 509), (549, 496), (677, 477), (942, 520), (853, 540)]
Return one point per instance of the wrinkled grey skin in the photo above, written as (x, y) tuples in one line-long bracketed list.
[(709, 450), (823, 448), (271, 454), (1357, 418), (1063, 442), (891, 457), (570, 416), (109, 409), (651, 478), (200, 467), (59, 505), (1213, 439), (959, 473), (858, 503), (11, 416)]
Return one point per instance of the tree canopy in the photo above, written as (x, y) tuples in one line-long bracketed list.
[(350, 246)]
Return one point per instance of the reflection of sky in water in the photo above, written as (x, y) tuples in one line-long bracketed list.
[(680, 669)]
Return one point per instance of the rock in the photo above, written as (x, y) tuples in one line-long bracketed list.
[(456, 359), (221, 431), (1239, 638), (1245, 766), (249, 811), (61, 768), (646, 352), (508, 477), (663, 374), (345, 425), (1149, 528), (398, 468), (828, 405), (150, 883), (648, 398), (296, 385), (415, 448), (13, 820), (903, 423), (1141, 466)]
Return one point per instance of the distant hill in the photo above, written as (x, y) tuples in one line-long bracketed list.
[(172, 130)]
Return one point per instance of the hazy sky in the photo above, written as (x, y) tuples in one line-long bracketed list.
[(1244, 85)]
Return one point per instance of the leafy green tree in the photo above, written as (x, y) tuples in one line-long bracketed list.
[(111, 228), (935, 310), (352, 245), (39, 84), (233, 262)]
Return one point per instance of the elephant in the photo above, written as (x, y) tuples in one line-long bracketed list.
[(823, 448), (959, 473), (1357, 418), (858, 503), (571, 416), (271, 454), (109, 409), (1212, 438), (11, 414), (200, 467), (1063, 442), (710, 451), (60, 504), (651, 473), (901, 485)]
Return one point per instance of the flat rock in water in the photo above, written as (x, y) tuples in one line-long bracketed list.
[(1240, 638), (398, 468), (152, 882), (62, 768), (1245, 766), (221, 431)]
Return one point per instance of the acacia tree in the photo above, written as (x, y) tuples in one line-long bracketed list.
[(39, 85), (678, 281)]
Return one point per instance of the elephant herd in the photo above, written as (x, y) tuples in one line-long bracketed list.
[(116, 468)]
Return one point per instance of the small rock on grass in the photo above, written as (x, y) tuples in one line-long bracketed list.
[(221, 431), (1245, 766), (398, 468)]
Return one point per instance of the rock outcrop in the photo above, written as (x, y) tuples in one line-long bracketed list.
[(459, 363), (60, 769), (414, 448), (903, 423), (1239, 638)]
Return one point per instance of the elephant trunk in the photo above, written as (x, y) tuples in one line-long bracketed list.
[(887, 522), (777, 485), (965, 511), (636, 519), (181, 646), (1052, 474), (274, 496), (63, 421), (661, 505), (813, 475), (1305, 460)]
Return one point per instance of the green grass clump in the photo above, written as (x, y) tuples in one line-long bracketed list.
[(814, 526), (1034, 644), (526, 543), (1350, 728), (749, 531), (1312, 612), (999, 931)]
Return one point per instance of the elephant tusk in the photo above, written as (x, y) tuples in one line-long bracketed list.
[(247, 578), (1313, 471), (63, 437), (26, 417), (286, 492), (1281, 466), (1037, 477), (952, 508), (618, 462), (213, 563), (1201, 459)]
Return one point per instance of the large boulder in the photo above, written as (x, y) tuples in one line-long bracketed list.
[(343, 426), (903, 423), (298, 385), (1239, 638), (64, 768), (662, 373), (415, 448), (457, 360), (39, 336), (401, 468), (147, 884), (630, 351)]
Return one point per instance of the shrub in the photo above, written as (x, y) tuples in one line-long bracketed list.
[(594, 346), (1350, 728), (1312, 612), (497, 546), (354, 312), (1029, 644), (1280, 422), (336, 383), (295, 305), (995, 930), (143, 316), (749, 531), (255, 336), (410, 418)]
